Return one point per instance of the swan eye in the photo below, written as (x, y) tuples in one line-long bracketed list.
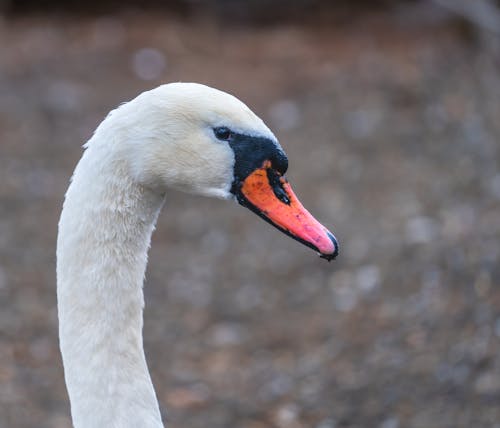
[(222, 133)]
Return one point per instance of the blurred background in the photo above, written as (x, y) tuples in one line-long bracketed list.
[(390, 114)]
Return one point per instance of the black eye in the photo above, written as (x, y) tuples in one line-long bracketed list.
[(222, 133)]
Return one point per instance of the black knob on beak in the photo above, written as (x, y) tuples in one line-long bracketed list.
[(279, 161)]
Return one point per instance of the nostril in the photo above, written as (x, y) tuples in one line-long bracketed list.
[(277, 186)]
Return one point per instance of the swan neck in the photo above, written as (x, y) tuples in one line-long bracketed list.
[(104, 235)]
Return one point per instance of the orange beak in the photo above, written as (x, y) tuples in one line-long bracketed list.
[(269, 195)]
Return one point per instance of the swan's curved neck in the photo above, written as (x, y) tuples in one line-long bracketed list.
[(104, 235)]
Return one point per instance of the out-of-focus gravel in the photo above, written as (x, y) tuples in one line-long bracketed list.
[(392, 127)]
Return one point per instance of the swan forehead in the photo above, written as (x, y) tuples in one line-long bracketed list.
[(212, 108)]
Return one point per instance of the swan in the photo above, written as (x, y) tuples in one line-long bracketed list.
[(183, 136)]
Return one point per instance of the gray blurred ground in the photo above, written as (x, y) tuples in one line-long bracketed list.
[(392, 126)]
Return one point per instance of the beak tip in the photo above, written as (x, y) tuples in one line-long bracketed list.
[(331, 256)]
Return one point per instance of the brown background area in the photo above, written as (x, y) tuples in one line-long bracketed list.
[(391, 122)]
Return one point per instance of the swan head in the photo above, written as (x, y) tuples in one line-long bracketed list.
[(201, 140)]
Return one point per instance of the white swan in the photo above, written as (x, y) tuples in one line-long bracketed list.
[(182, 135)]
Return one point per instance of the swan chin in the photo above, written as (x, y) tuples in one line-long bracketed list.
[(217, 193)]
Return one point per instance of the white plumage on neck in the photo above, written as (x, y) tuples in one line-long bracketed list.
[(104, 235)]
